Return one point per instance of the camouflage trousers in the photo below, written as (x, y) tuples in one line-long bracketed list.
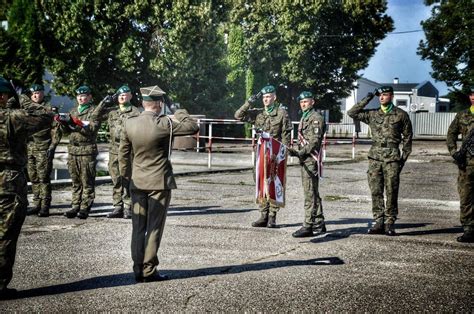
[(313, 207), (466, 195), (82, 171), (120, 188), (13, 197), (148, 222), (39, 172), (384, 177)]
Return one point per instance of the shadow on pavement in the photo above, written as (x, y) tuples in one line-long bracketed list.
[(202, 210), (332, 235), (127, 279), (433, 231)]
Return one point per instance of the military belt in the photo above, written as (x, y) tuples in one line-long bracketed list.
[(385, 145)]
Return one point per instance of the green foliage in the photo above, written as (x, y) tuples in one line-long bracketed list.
[(318, 46), (449, 32), (21, 55)]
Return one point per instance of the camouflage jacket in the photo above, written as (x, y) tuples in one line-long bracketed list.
[(388, 131), (41, 140), (277, 122), (82, 140), (310, 135), (116, 123), (15, 125), (463, 122)]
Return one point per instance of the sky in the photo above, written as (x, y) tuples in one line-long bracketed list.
[(396, 54)]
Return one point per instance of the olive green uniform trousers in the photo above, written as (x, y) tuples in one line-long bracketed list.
[(82, 171), (313, 207), (39, 172), (120, 186), (384, 176), (466, 194), (13, 204), (148, 221)]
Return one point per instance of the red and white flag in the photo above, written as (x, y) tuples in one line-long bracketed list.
[(270, 171)]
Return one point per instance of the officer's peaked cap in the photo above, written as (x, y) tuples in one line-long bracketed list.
[(152, 93)]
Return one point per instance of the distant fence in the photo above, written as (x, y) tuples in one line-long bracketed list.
[(424, 124)]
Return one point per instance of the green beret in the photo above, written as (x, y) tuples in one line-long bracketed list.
[(123, 89), (472, 89), (152, 93), (305, 95), (5, 86), (83, 90), (268, 89), (36, 88), (384, 89)]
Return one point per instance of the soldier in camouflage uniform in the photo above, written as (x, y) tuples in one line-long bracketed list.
[(83, 152), (116, 121), (274, 120), (40, 159), (310, 135), (15, 124), (463, 124), (390, 126)]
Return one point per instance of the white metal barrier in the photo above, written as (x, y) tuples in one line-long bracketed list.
[(210, 137)]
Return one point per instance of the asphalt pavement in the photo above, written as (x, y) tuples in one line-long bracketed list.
[(219, 263)]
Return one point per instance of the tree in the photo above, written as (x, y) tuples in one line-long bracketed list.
[(318, 46), (21, 55), (105, 44), (449, 32)]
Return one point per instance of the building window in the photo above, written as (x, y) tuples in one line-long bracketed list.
[(401, 103)]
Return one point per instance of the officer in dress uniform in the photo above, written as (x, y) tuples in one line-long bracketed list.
[(144, 160)]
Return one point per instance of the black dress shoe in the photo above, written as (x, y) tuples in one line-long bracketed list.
[(303, 232), (8, 294)]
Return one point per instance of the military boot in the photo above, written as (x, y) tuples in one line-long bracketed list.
[(377, 228), (116, 213), (303, 232), (83, 214), (390, 230), (319, 228), (127, 214), (272, 221), (44, 211), (33, 211), (262, 221), (467, 237), (72, 213)]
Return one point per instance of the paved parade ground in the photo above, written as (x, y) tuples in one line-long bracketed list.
[(217, 262)]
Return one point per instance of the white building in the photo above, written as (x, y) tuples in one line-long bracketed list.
[(411, 97)]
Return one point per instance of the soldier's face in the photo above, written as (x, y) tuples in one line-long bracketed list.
[(83, 98), (385, 98), (306, 103), (37, 96), (124, 98), (3, 99), (471, 98), (268, 99)]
